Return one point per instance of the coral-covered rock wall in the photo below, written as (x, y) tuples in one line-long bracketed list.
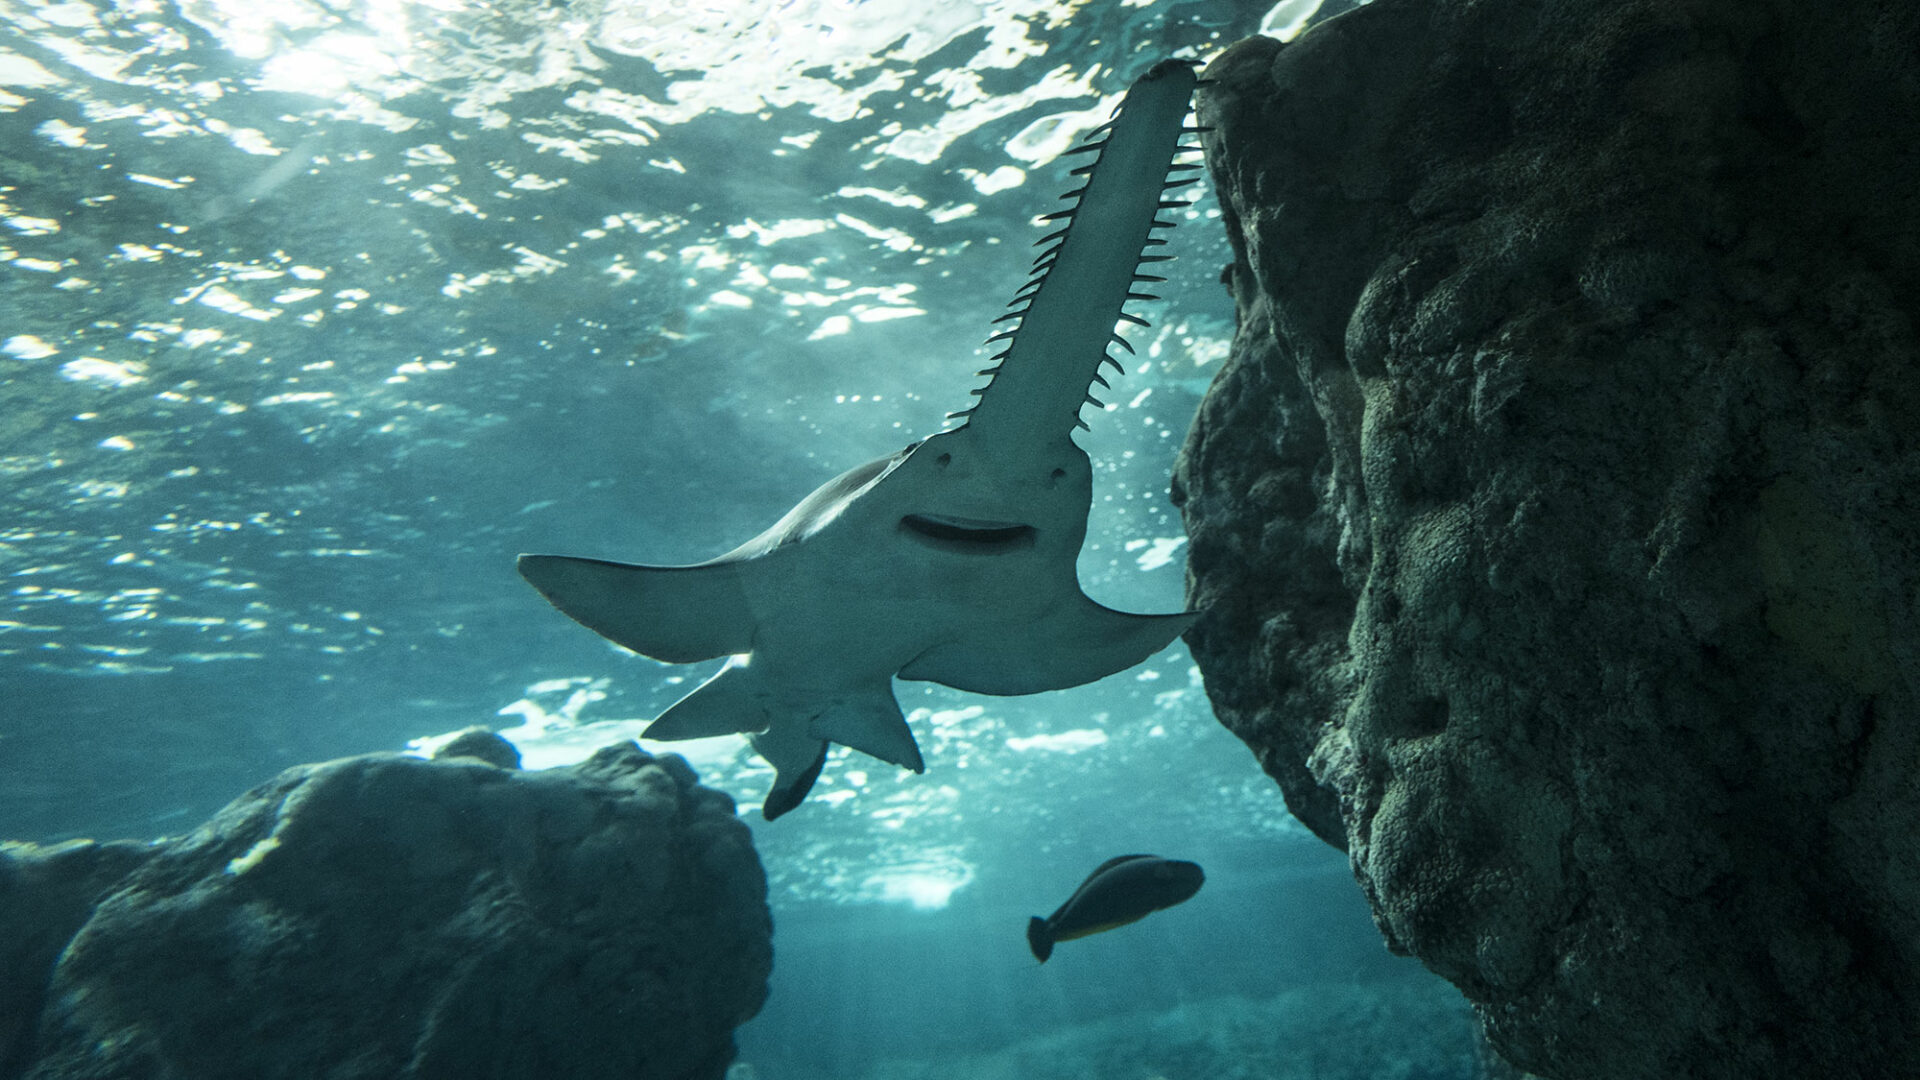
[(1557, 515)]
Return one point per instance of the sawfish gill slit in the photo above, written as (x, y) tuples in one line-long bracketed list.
[(1065, 317)]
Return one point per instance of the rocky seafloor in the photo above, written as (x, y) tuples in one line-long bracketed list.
[(1404, 1030), (387, 917)]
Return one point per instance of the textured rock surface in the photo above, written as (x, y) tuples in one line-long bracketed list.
[(1557, 511), (387, 917), (46, 893)]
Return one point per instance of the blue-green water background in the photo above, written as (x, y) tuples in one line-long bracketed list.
[(315, 313)]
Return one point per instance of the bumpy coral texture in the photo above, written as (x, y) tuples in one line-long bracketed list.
[(1556, 512)]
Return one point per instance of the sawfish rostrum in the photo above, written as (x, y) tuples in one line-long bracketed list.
[(950, 561)]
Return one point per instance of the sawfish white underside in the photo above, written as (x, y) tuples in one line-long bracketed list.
[(880, 578)]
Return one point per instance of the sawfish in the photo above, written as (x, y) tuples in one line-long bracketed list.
[(950, 561)]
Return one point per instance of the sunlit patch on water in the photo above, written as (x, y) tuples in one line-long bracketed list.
[(927, 884), (119, 373), (1063, 742)]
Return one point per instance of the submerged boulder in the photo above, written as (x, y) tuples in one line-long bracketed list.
[(1555, 513), (46, 894), (388, 916)]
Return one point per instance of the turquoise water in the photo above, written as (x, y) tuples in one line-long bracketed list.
[(317, 313)]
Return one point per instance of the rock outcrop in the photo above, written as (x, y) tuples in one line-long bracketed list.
[(1556, 512), (388, 917), (46, 894)]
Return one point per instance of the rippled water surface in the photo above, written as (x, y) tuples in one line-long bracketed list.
[(317, 313)]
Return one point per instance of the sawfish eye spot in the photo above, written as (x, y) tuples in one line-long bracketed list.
[(943, 460), (1059, 475), (967, 536)]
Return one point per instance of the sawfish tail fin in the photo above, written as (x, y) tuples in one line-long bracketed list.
[(675, 614), (1038, 939), (796, 757), (790, 730), (738, 700)]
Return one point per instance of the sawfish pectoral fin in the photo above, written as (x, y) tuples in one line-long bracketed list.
[(870, 722), (676, 614), (1078, 642)]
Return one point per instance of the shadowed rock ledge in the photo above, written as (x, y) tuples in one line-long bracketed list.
[(1556, 512), (388, 916)]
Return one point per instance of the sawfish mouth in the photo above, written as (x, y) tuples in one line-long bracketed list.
[(968, 535)]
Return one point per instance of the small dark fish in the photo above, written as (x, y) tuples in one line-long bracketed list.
[(1118, 892)]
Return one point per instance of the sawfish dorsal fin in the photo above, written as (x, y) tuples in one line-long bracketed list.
[(1089, 267)]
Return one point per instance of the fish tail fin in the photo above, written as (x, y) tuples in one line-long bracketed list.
[(1038, 939)]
